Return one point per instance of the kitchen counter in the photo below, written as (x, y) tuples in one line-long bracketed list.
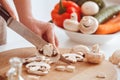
[(16, 41)]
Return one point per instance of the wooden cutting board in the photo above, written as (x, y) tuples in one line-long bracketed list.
[(83, 71)]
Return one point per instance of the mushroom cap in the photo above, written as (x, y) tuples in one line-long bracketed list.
[(88, 25), (80, 48), (115, 58), (72, 23), (89, 8)]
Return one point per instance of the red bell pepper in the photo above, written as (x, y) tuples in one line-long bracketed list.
[(62, 11)]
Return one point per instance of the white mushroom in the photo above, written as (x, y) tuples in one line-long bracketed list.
[(60, 68), (80, 48), (70, 68), (38, 68), (49, 51), (72, 23), (88, 25), (32, 59), (89, 8), (72, 57), (95, 56), (115, 58)]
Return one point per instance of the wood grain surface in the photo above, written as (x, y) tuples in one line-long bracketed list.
[(83, 71)]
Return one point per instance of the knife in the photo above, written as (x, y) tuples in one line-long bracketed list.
[(27, 33)]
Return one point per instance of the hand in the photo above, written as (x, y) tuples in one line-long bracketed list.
[(43, 29), (6, 5)]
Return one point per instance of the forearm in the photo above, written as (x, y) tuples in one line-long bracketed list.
[(23, 9)]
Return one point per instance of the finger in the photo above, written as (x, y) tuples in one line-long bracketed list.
[(50, 36), (8, 8), (56, 40)]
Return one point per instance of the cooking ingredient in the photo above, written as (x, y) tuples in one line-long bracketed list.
[(72, 57), (100, 3), (70, 68), (63, 11), (32, 59), (101, 75), (49, 50), (111, 26), (115, 58), (115, 19), (72, 23), (89, 8), (107, 13), (95, 55), (38, 68), (60, 68), (88, 25), (80, 48), (108, 28)]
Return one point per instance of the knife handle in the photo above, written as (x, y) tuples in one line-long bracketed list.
[(4, 13)]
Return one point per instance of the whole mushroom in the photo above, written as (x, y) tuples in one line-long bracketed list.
[(88, 25), (89, 8), (72, 23), (95, 55), (115, 58)]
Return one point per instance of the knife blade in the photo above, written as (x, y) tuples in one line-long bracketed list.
[(26, 33)]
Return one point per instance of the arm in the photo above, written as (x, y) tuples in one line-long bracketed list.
[(43, 29)]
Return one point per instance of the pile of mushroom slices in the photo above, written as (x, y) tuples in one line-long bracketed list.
[(41, 65), (81, 53)]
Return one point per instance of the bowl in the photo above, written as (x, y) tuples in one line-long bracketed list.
[(90, 39)]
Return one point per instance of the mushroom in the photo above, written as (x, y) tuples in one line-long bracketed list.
[(88, 25), (32, 59), (95, 55), (115, 58), (80, 49), (72, 23), (38, 68), (70, 68), (89, 8), (72, 57), (49, 51)]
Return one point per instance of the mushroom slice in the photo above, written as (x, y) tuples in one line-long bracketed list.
[(72, 57), (32, 59), (38, 68), (49, 51), (80, 48)]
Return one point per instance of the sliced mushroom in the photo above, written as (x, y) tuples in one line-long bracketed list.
[(38, 68), (80, 49), (72, 57)]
